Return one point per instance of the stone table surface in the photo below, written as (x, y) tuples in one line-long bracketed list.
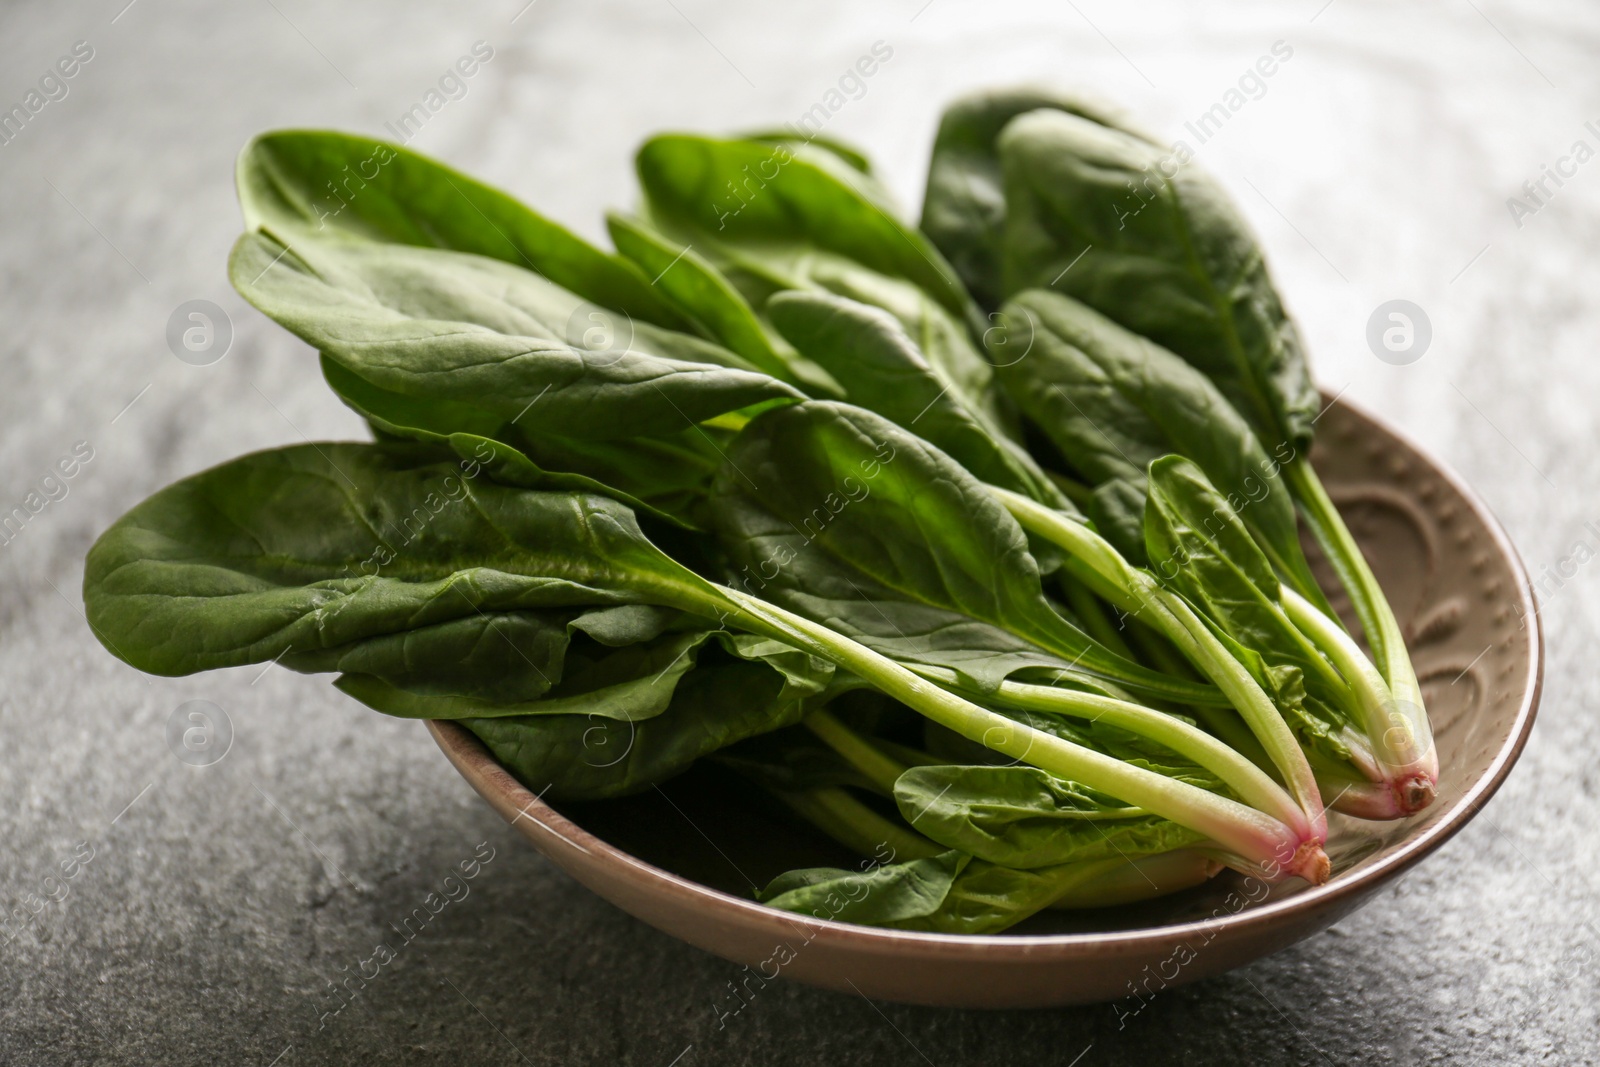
[(210, 907)]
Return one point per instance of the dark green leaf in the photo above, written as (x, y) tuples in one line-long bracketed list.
[(1023, 817), (869, 353), (319, 182), (508, 657), (785, 230), (317, 547), (663, 476), (630, 684), (881, 894), (447, 327), (964, 209), (1117, 511), (840, 515), (582, 757), (697, 287), (1199, 546), (1141, 235), (1113, 402), (770, 205)]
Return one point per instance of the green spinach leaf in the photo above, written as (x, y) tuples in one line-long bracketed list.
[(318, 182), (1022, 817), (766, 207), (1145, 238), (843, 517), (1198, 545), (964, 208), (321, 546), (1113, 402), (581, 757), (869, 353), (874, 897), (448, 327)]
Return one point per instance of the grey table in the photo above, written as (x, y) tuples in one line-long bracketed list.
[(209, 909)]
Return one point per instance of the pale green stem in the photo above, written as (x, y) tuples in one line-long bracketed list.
[(1402, 742), (879, 769), (1249, 782), (1262, 843), (1172, 616), (1377, 617), (857, 827)]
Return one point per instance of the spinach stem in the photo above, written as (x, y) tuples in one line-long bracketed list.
[(1258, 842), (1406, 713), (1403, 752), (1093, 617), (857, 751), (857, 827), (1171, 615), (1249, 782)]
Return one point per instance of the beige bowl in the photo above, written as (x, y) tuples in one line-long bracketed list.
[(685, 858)]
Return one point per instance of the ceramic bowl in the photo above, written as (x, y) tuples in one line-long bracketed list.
[(685, 857)]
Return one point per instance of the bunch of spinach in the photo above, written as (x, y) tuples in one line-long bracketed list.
[(765, 485), (1117, 257)]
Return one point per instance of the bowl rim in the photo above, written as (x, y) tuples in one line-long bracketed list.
[(465, 750)]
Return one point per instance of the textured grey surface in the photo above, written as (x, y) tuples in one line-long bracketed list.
[(221, 901)]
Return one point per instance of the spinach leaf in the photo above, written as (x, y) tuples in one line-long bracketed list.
[(869, 353), (322, 546), (316, 182), (665, 476), (448, 327), (841, 516), (1117, 510), (1175, 262), (440, 595), (631, 683), (987, 898), (766, 207), (964, 208), (697, 287), (788, 237), (1164, 254), (1113, 402), (850, 154), (1022, 817), (879, 895), (580, 757), (1198, 544), (501, 658)]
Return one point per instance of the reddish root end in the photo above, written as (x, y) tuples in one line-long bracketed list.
[(1311, 863), (1415, 793)]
